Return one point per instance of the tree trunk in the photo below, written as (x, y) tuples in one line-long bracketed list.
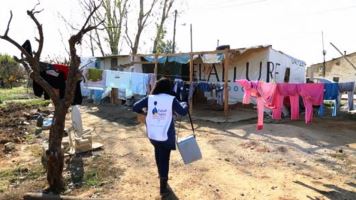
[(54, 153), (137, 41)]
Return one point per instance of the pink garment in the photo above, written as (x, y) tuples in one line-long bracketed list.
[(286, 89), (265, 98), (263, 92), (313, 94), (250, 88)]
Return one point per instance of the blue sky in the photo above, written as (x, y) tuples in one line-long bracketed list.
[(291, 26)]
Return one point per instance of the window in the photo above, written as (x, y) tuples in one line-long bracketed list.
[(321, 69), (113, 63), (336, 79), (287, 75)]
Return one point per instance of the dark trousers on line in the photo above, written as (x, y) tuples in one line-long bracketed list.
[(162, 155)]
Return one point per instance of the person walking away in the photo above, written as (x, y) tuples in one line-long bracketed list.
[(160, 106)]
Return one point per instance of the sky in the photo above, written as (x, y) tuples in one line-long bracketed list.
[(292, 26)]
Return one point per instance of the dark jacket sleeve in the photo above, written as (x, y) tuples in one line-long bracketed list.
[(139, 105), (180, 108)]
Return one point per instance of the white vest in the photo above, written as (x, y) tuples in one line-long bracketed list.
[(159, 116)]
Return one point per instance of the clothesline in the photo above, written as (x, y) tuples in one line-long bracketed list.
[(271, 95)]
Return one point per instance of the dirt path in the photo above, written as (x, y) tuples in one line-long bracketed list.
[(289, 160)]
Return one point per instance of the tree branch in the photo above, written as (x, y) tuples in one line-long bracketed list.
[(18, 46), (8, 24), (23, 62), (127, 38), (74, 75), (33, 62), (34, 7), (66, 21), (85, 29), (32, 13)]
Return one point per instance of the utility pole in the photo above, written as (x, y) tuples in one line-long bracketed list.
[(324, 53), (191, 38), (217, 43), (174, 32)]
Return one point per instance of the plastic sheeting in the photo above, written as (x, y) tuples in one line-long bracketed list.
[(185, 58), (182, 59), (212, 58), (160, 59)]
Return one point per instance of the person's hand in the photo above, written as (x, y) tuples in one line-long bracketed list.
[(184, 104), (141, 118)]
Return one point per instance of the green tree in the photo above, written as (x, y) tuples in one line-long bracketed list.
[(166, 6), (10, 71), (164, 46)]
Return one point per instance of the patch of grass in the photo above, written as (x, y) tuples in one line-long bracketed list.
[(30, 138), (36, 150), (16, 193), (19, 174), (93, 172), (27, 102), (91, 178), (15, 93)]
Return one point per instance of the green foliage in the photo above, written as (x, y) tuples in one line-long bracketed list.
[(91, 178), (27, 103), (14, 93), (165, 46), (162, 46), (10, 71)]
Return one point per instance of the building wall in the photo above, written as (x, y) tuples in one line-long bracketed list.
[(115, 62), (335, 68), (265, 64)]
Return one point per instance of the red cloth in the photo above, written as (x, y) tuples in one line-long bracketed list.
[(62, 68)]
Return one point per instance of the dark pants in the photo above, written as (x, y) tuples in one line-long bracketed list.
[(162, 155)]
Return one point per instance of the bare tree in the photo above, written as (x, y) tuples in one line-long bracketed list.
[(114, 12), (141, 24), (54, 153), (166, 7)]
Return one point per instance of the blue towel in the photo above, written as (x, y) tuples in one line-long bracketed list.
[(139, 83), (331, 92), (112, 78), (205, 87)]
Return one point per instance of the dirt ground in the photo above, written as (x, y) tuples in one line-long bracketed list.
[(288, 160), (284, 161)]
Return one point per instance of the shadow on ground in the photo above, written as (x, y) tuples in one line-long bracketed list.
[(334, 192)]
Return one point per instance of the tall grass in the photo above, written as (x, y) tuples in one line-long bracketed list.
[(15, 93)]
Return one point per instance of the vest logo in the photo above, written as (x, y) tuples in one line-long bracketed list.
[(154, 110), (158, 114)]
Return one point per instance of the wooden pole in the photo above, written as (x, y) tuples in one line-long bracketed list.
[(191, 82), (156, 65), (226, 92), (191, 38), (174, 32)]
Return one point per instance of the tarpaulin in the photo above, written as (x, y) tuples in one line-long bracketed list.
[(160, 59), (182, 59), (212, 58)]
